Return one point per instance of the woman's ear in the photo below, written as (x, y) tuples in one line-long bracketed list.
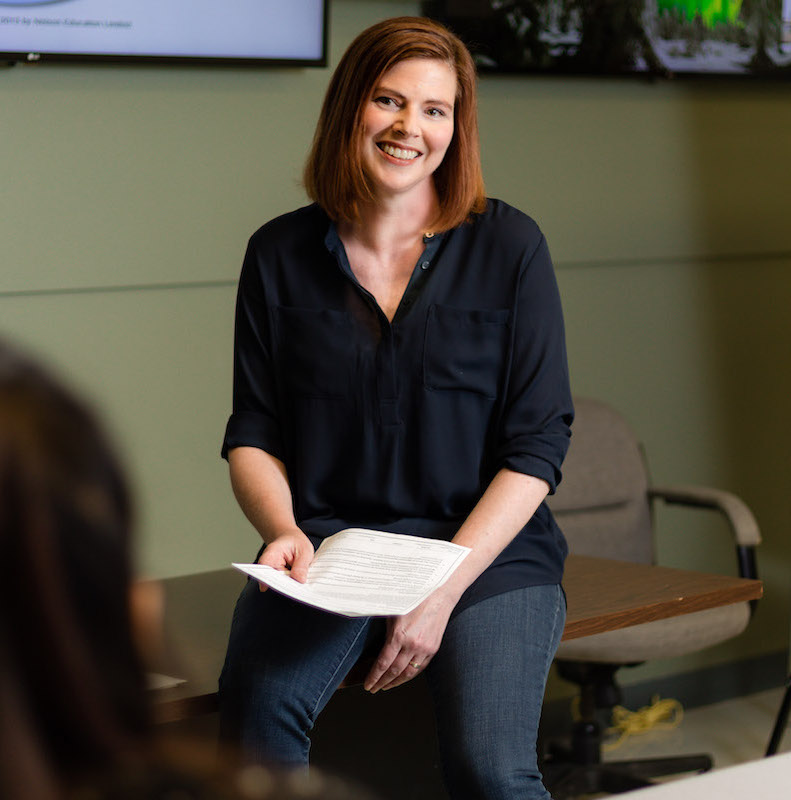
[(146, 611)]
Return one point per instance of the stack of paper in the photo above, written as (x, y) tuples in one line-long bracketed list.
[(365, 573)]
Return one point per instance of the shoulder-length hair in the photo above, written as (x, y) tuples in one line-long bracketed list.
[(72, 686), (334, 176)]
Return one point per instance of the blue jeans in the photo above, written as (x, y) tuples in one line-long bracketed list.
[(487, 680)]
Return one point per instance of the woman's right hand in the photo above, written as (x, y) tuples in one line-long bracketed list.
[(291, 552)]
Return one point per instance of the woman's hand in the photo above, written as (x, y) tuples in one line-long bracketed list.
[(290, 552), (260, 483), (412, 640)]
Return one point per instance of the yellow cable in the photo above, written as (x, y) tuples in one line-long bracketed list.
[(661, 714)]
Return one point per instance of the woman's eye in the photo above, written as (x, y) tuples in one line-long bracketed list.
[(384, 101), (435, 112)]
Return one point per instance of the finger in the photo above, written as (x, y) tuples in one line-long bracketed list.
[(389, 677), (262, 587), (378, 676), (401, 670), (300, 565), (275, 558), (384, 664), (388, 654), (412, 670)]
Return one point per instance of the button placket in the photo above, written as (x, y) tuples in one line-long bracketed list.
[(387, 385)]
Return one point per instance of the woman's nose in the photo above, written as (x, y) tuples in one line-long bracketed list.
[(405, 123)]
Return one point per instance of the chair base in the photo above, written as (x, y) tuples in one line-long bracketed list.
[(566, 779), (781, 722), (577, 768)]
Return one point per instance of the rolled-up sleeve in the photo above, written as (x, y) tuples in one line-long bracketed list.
[(537, 409), (255, 419)]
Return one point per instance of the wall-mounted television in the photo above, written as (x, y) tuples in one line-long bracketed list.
[(288, 32), (621, 37)]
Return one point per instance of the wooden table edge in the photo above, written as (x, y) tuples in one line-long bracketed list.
[(729, 590)]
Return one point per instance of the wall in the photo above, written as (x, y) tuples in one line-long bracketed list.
[(129, 193)]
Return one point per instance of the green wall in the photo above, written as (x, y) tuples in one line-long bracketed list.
[(128, 194)]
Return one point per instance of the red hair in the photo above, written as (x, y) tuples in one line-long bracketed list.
[(334, 176)]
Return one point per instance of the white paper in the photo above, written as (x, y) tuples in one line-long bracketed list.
[(363, 573), (158, 681)]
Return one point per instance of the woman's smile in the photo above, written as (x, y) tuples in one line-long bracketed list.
[(398, 153)]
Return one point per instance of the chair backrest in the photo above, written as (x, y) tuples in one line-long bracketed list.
[(602, 504)]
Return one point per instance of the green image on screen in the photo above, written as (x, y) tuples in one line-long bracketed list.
[(712, 12)]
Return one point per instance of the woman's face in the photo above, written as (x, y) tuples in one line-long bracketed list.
[(408, 125)]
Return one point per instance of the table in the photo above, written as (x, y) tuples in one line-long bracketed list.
[(767, 779), (602, 594)]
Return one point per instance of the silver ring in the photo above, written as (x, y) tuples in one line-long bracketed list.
[(414, 665)]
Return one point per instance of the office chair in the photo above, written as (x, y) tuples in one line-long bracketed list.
[(604, 507)]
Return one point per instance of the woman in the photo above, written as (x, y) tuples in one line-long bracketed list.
[(74, 708), (400, 365)]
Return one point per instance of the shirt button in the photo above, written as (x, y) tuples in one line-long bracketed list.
[(424, 265)]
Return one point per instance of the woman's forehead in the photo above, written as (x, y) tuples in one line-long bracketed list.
[(429, 73)]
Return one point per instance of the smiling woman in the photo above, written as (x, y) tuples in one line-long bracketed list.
[(408, 127), (400, 365), (334, 174)]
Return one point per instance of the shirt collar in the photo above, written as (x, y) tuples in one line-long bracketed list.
[(333, 243)]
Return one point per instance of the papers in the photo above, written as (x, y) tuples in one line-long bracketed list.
[(158, 681), (364, 573)]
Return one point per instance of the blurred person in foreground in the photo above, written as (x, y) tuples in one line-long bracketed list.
[(75, 714)]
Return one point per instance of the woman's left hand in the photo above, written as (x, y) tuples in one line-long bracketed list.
[(412, 640)]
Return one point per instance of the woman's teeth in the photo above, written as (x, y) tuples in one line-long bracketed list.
[(397, 152)]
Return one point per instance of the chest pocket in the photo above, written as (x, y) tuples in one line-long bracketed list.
[(465, 349), (316, 351)]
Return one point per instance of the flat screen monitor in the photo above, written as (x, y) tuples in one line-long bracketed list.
[(183, 31), (661, 38)]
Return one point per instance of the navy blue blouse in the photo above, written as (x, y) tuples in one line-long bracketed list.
[(400, 426)]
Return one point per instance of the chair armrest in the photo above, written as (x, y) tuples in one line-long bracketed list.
[(743, 523)]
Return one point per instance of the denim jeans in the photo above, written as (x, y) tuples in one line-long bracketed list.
[(487, 680)]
